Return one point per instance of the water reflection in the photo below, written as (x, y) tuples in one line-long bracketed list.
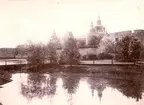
[(39, 85), (76, 89), (70, 83), (98, 84), (132, 87)]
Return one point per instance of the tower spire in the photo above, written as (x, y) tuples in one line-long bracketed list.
[(98, 16), (98, 20)]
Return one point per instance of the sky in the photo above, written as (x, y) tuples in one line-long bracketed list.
[(35, 20)]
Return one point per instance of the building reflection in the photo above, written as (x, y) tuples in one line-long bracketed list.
[(97, 84), (38, 86)]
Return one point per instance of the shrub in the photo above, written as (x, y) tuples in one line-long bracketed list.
[(105, 56)]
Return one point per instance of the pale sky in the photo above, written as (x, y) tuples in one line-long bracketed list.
[(22, 20)]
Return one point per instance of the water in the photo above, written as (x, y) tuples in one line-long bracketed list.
[(70, 89)]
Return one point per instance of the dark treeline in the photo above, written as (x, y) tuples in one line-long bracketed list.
[(128, 48)]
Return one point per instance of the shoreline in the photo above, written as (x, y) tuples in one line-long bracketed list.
[(81, 68)]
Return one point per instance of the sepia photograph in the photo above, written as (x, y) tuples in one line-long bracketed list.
[(71, 52)]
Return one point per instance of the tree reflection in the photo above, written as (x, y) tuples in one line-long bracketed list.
[(98, 84), (70, 83), (38, 85), (132, 87)]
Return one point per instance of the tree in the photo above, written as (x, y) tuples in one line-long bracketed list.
[(81, 42), (134, 48), (53, 44), (94, 41), (109, 47), (128, 48), (36, 54), (21, 50), (70, 53), (123, 46)]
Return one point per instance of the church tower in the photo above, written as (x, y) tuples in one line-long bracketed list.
[(96, 33), (99, 21), (98, 30)]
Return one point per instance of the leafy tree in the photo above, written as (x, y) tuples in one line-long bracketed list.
[(81, 42), (109, 46), (36, 54), (70, 53), (128, 48), (53, 44), (123, 48), (142, 52), (134, 48), (94, 41)]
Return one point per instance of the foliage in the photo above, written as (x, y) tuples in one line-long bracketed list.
[(94, 41), (70, 53), (53, 44), (123, 47), (36, 54), (128, 48), (91, 56), (134, 48), (104, 55), (109, 47), (142, 52), (81, 42)]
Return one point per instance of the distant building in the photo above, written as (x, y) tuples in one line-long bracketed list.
[(116, 36), (98, 30), (119, 35), (7, 53), (85, 44)]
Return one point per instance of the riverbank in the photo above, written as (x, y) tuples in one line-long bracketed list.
[(82, 68)]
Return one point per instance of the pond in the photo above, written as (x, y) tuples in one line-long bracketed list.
[(72, 89)]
